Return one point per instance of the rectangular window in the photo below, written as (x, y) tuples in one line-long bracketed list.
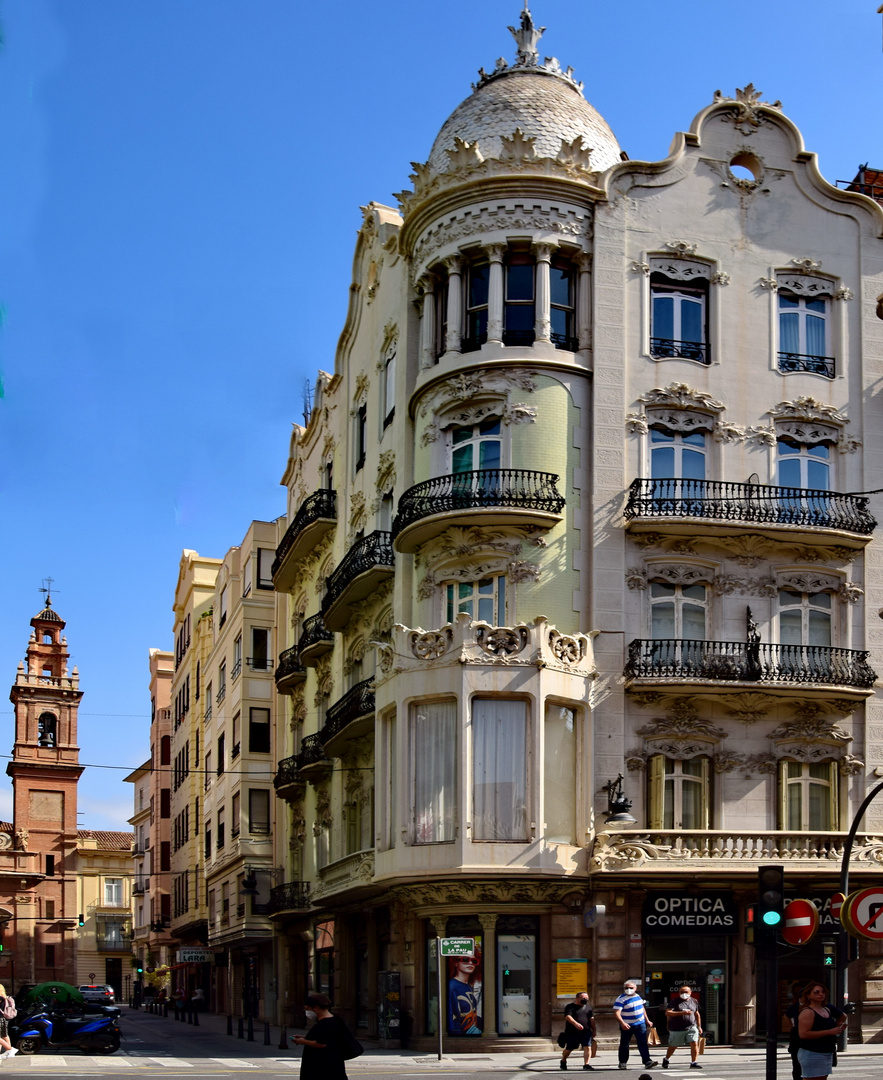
[(483, 600), (434, 757), (499, 769), (208, 842), (803, 334), (265, 562), (808, 796), (237, 656), (678, 323), (220, 826), (680, 793), (208, 703), (559, 774), (50, 956), (477, 287), (165, 802), (259, 731), (223, 608), (113, 892), (260, 648), (361, 435), (222, 681), (48, 909), (562, 290), (221, 755), (519, 309), (246, 577), (389, 385), (259, 812), (50, 866), (234, 816)]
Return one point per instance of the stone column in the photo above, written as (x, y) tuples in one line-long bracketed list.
[(495, 253), (489, 974), (454, 336), (543, 324), (584, 301), (427, 322)]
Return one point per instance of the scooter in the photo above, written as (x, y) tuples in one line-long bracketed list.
[(51, 1027)]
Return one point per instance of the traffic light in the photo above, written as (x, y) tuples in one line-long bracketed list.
[(81, 920), (139, 970), (829, 951), (771, 898), (750, 923)]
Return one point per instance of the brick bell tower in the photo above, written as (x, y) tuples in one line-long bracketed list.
[(45, 769)]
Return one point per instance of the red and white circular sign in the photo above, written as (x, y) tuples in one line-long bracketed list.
[(801, 921), (865, 913), (836, 904)]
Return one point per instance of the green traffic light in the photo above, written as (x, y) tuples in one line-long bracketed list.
[(829, 961), (772, 918)]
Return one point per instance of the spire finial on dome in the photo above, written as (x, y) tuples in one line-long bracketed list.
[(47, 588), (527, 38)]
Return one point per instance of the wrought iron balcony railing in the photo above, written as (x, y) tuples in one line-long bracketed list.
[(517, 489), (314, 632), (740, 661), (311, 751), (287, 771), (756, 503), (321, 504), (113, 944), (354, 704), (818, 365), (679, 350), (366, 553), (518, 337), (289, 664), (565, 341), (292, 896)]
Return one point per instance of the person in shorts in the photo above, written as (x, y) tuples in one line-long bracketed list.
[(579, 1027), (684, 1026)]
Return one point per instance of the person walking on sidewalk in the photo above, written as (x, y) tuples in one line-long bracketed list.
[(684, 1026), (579, 1027), (630, 1011), (324, 1043), (8, 1049)]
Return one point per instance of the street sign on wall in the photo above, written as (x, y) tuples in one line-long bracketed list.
[(195, 956)]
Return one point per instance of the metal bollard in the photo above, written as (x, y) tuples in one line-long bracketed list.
[(267, 1033), (229, 1024), (283, 1038), (241, 1034), (250, 1030)]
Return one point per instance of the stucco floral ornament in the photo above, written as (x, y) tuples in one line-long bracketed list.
[(746, 113), (618, 851)]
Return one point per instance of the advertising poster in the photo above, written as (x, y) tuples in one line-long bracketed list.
[(464, 993)]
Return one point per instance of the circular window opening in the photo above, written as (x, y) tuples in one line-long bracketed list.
[(746, 167)]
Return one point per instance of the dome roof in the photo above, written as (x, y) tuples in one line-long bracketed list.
[(540, 98), (545, 106)]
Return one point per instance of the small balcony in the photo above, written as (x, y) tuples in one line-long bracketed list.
[(349, 718), (113, 944), (288, 782), (368, 562), (289, 671), (311, 761), (671, 349), (290, 897), (815, 365), (813, 516), (482, 497), (139, 888), (316, 515), (315, 641), (789, 668)]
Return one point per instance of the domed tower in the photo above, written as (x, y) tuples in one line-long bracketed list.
[(45, 769)]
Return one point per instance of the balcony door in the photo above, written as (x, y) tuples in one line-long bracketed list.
[(805, 633), (677, 468), (807, 468), (677, 626)]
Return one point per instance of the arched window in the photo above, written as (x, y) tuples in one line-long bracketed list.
[(677, 611), (680, 793), (805, 618), (477, 446), (677, 454), (483, 600), (47, 729)]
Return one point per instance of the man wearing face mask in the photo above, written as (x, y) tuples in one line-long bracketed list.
[(579, 1027), (324, 1043), (684, 1026)]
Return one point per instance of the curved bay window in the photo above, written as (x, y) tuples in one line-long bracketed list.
[(808, 796), (563, 305), (477, 288), (519, 300), (680, 793), (679, 319)]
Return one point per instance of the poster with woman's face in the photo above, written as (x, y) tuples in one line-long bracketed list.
[(464, 993)]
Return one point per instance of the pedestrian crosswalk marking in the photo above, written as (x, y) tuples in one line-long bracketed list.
[(39, 1059), (235, 1063), (112, 1060), (169, 1062)]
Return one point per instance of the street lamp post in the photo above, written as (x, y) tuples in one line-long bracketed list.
[(843, 937)]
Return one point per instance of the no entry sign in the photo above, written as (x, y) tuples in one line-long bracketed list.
[(801, 922)]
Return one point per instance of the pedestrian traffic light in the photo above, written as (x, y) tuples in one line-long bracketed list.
[(829, 950), (81, 920), (771, 897)]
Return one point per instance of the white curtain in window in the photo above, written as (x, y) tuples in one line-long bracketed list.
[(434, 742), (499, 769)]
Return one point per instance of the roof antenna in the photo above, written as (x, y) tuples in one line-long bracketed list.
[(46, 587)]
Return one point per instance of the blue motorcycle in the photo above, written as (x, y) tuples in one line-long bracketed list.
[(58, 1028)]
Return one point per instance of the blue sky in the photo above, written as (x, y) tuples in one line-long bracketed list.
[(179, 199)]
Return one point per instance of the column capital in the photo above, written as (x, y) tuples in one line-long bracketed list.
[(543, 251), (426, 284), (488, 923), (495, 252), (454, 264), (439, 924), (584, 262)]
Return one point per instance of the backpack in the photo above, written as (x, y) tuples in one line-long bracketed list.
[(9, 1010)]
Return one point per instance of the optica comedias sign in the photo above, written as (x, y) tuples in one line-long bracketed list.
[(698, 913)]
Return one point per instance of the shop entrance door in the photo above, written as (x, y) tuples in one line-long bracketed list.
[(708, 981)]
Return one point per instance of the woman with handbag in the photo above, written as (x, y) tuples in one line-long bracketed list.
[(329, 1043), (7, 1013)]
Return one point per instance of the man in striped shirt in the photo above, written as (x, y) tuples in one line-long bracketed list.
[(631, 1013)]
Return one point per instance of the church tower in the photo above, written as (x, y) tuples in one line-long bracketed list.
[(45, 769)]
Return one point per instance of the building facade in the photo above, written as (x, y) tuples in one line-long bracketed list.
[(104, 902), (577, 508)]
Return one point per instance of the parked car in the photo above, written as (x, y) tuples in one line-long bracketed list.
[(98, 993)]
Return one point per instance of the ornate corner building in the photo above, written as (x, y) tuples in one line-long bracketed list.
[(579, 499)]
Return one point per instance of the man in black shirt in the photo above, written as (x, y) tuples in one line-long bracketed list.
[(579, 1028)]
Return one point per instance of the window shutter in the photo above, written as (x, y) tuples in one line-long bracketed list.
[(657, 790), (834, 774), (782, 823), (706, 793)]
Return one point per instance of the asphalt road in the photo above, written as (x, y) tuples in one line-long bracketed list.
[(151, 1044)]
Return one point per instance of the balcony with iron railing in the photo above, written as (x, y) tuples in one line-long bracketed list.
[(312, 761), (815, 365), (315, 516), (112, 944), (808, 514), (288, 781), (367, 563), (315, 641), (518, 497), (292, 896), (349, 718), (289, 670), (800, 668)]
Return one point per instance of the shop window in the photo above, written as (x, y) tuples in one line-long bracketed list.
[(678, 320), (433, 739), (680, 793), (804, 330), (559, 774), (517, 1009), (477, 280), (499, 770), (483, 600), (808, 794), (519, 300), (563, 310)]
